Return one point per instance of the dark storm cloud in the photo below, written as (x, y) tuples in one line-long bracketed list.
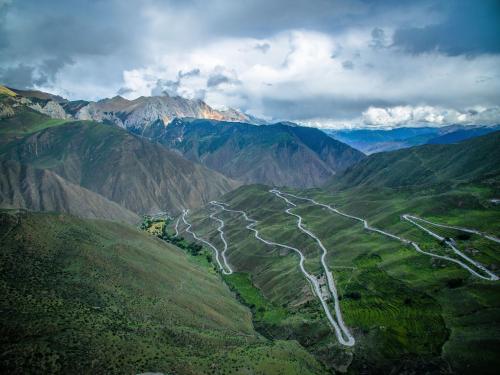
[(262, 47), (469, 28), (96, 48), (217, 79), (348, 65), (20, 76), (318, 107)]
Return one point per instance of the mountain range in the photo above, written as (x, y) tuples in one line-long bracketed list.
[(374, 140), (104, 270), (135, 115), (139, 175), (279, 154)]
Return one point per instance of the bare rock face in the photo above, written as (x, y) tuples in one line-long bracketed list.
[(6, 111), (135, 115), (139, 114), (51, 108)]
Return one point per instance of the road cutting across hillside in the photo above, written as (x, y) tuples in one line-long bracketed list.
[(341, 331), (491, 276)]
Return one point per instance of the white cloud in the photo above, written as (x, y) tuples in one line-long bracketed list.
[(299, 73), (427, 115), (409, 116)]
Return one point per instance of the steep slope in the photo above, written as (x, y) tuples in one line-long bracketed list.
[(274, 154), (23, 186), (474, 159), (129, 170), (96, 297)]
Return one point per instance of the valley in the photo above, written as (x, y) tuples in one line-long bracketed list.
[(348, 269), (268, 249), (306, 187)]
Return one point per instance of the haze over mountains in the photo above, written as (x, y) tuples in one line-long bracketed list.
[(371, 141)]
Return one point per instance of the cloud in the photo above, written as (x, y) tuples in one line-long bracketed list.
[(428, 115), (379, 38), (301, 60), (468, 27), (192, 73), (20, 76), (263, 47), (348, 65)]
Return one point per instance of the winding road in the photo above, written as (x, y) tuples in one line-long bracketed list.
[(220, 229), (216, 251), (462, 229), (449, 243), (328, 273), (341, 331), (491, 276), (177, 227)]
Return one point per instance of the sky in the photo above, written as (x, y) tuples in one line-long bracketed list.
[(324, 63)]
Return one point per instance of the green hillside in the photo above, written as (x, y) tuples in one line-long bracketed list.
[(408, 311), (472, 160), (83, 296)]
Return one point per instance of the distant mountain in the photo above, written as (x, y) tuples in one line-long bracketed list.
[(22, 186), (135, 115), (277, 154), (463, 134), (135, 173), (372, 141), (476, 159)]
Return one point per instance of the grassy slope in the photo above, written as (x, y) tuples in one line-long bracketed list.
[(407, 310), (6, 91), (26, 121), (471, 310), (86, 296), (475, 159)]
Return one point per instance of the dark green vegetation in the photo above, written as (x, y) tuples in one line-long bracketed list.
[(128, 170), (83, 296), (280, 154)]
